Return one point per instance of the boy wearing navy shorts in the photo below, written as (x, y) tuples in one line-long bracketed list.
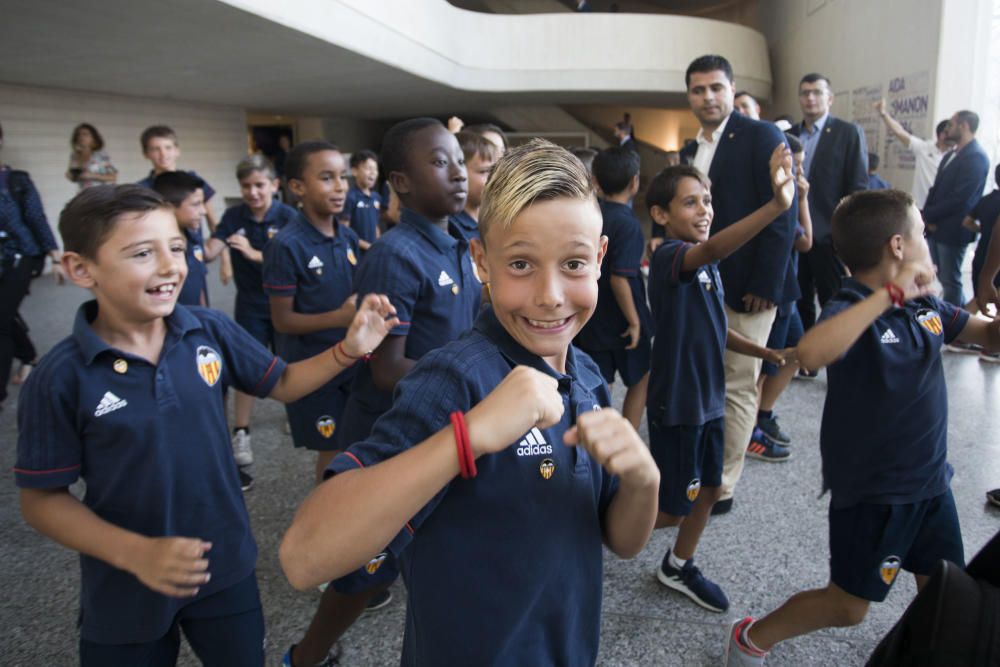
[(480, 156), (617, 336), (424, 267), (364, 205), (133, 403), (880, 337), (498, 521), (247, 228), (307, 273), (687, 384), (186, 194)]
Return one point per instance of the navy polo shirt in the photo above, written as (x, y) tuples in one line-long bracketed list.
[(506, 568), (363, 211), (468, 226), (208, 190), (626, 246), (883, 437), (247, 274), (317, 271), (196, 282), (152, 444), (687, 381)]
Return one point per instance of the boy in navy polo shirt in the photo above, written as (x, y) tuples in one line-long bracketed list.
[(247, 228), (424, 267), (504, 568), (480, 156), (880, 337), (187, 196), (617, 336), (364, 204), (307, 274), (132, 402), (687, 387)]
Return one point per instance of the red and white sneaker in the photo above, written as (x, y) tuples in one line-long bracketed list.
[(738, 653)]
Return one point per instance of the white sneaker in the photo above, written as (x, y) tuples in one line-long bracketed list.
[(241, 448), (989, 357), (738, 655)]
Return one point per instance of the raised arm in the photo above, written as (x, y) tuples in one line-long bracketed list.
[(894, 125)]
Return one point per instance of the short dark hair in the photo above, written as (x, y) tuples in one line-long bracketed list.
[(474, 144), (298, 157), (813, 77), (863, 223), (480, 128), (614, 168), (741, 93), (157, 132), (362, 156), (254, 163), (941, 128), (996, 175), (663, 188), (176, 186), (396, 142), (98, 139), (873, 161), (794, 143), (709, 63), (970, 118), (90, 217)]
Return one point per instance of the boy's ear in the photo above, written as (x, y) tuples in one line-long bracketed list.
[(77, 268), (633, 185), (399, 182), (602, 250), (896, 247), (659, 215), (297, 187), (478, 250)]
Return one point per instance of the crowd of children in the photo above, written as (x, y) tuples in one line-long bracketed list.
[(452, 375)]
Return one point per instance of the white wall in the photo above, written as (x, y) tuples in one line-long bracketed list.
[(37, 123)]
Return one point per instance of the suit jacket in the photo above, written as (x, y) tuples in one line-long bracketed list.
[(839, 168), (741, 183), (957, 187)]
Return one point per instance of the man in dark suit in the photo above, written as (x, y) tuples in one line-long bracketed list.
[(957, 187), (734, 150), (836, 165)]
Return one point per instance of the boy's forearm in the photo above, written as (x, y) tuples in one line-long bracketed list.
[(828, 340), (630, 519), (740, 344), (213, 247), (623, 297), (64, 519), (210, 218), (724, 243), (348, 519), (302, 378)]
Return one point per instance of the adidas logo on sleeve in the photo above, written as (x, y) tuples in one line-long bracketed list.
[(109, 403), (889, 337), (533, 444)]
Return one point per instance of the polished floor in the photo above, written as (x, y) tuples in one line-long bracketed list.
[(774, 543)]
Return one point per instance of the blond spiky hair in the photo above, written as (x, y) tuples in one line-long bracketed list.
[(536, 171)]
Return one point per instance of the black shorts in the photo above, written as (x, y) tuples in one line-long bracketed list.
[(689, 457), (630, 364), (870, 544)]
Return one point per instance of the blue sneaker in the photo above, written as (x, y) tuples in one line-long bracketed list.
[(690, 581), (332, 658), (769, 425), (763, 448)]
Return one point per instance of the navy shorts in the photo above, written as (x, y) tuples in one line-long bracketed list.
[(870, 544), (257, 324), (785, 332), (630, 364), (689, 457), (314, 418), (379, 572), (224, 629)]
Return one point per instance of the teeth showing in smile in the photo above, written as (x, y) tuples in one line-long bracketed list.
[(164, 289), (543, 324)]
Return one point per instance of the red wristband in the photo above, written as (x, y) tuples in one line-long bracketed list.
[(895, 294), (350, 360), (466, 462)]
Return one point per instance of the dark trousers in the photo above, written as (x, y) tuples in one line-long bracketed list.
[(820, 274), (14, 341)]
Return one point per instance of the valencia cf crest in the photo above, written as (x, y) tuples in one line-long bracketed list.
[(209, 365), (326, 426), (375, 563), (272, 231), (693, 488), (454, 289), (889, 568), (199, 254), (930, 320), (351, 258), (547, 468)]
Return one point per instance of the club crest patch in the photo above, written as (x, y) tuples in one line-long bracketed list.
[(693, 489), (326, 426), (888, 570), (375, 563), (351, 258), (209, 365), (272, 231), (199, 254), (120, 366), (454, 289), (930, 320), (547, 468)]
